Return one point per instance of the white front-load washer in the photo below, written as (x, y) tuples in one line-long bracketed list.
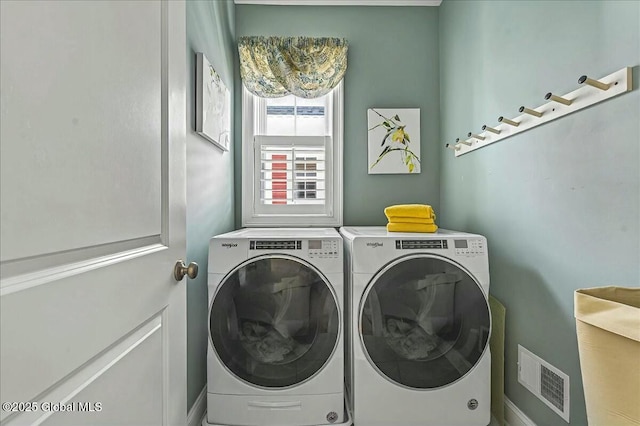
[(418, 328), (276, 354)]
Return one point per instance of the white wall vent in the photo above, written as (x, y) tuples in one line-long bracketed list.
[(545, 381)]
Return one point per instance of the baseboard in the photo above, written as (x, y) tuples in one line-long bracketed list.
[(198, 410), (513, 416)]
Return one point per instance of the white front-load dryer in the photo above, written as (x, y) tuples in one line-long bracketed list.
[(276, 354), (418, 328)]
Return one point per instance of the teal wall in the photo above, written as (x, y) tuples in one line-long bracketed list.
[(210, 198), (559, 204), (392, 63)]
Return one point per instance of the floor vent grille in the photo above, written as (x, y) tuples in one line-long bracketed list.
[(552, 387), (545, 381)]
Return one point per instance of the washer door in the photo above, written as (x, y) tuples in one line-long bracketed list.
[(274, 321), (425, 322)]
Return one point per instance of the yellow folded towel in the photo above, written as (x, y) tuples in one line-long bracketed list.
[(411, 227), (407, 219), (410, 210)]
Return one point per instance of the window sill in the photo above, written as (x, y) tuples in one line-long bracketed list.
[(291, 220)]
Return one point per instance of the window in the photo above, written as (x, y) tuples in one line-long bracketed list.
[(308, 180), (292, 160), (292, 173)]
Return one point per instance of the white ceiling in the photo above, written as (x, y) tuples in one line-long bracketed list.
[(343, 2)]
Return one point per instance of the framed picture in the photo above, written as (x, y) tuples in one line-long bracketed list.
[(394, 140), (213, 104)]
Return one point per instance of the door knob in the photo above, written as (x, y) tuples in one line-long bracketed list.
[(180, 270)]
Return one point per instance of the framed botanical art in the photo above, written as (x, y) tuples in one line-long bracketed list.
[(394, 140), (213, 104)]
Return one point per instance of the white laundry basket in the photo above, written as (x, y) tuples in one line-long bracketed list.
[(608, 327)]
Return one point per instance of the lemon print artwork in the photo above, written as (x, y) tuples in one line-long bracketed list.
[(394, 140)]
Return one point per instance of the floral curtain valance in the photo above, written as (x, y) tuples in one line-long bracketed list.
[(307, 67)]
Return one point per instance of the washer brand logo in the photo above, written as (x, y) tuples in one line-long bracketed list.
[(374, 245), (229, 245)]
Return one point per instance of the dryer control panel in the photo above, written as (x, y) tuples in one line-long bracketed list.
[(275, 245), (421, 244), (323, 249), (469, 247)]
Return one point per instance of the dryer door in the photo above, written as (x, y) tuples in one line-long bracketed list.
[(274, 321), (424, 321)]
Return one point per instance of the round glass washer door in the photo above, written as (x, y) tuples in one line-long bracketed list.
[(425, 322), (274, 321)]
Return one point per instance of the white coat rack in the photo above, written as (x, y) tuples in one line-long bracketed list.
[(591, 92)]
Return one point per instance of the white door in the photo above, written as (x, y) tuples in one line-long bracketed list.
[(92, 206)]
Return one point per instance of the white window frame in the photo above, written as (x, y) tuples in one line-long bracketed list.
[(254, 214)]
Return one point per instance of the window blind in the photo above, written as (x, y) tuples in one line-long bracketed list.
[(293, 173)]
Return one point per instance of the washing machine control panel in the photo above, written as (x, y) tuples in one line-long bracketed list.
[(470, 247), (323, 249), (420, 244), (275, 245)]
